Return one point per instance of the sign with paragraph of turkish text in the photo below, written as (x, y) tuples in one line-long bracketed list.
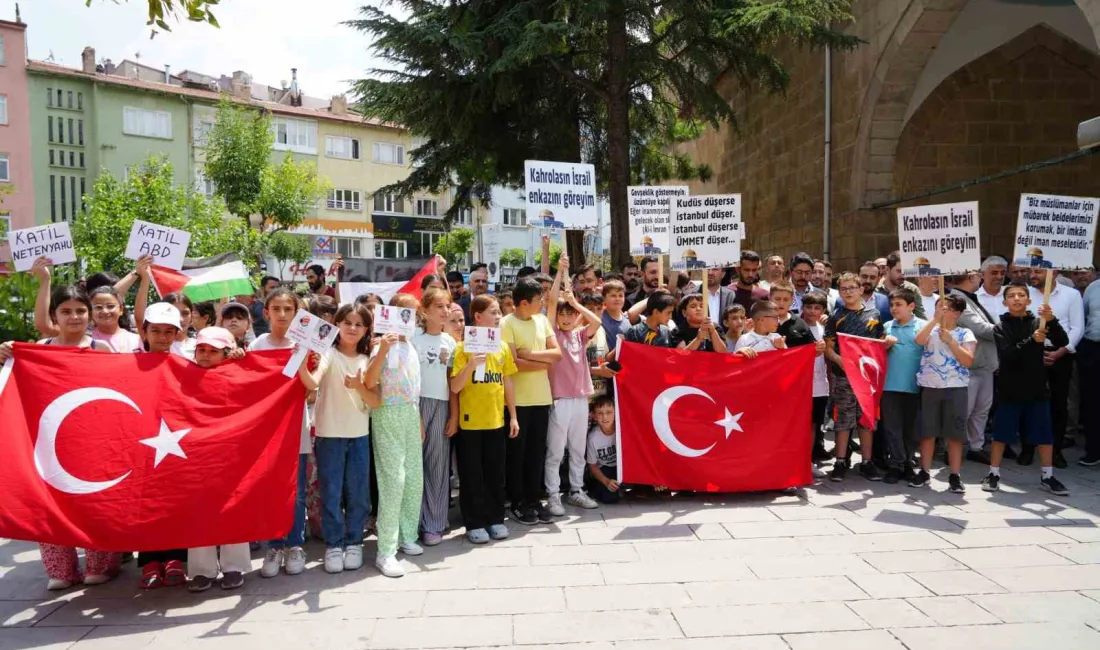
[(650, 208), (52, 241), (705, 232), (560, 194), (939, 239), (168, 246), (1055, 232)]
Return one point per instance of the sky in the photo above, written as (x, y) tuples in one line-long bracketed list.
[(265, 38)]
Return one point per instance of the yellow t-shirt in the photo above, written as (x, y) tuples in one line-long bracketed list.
[(532, 387), (481, 404)]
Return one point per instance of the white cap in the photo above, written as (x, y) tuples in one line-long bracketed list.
[(163, 313)]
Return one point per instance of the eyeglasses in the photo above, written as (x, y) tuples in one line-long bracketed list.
[(847, 289)]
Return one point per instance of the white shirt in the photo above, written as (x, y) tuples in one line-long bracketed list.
[(600, 449), (993, 303), (714, 305), (938, 366), (1068, 308), (929, 304), (436, 352), (758, 342), (821, 374)]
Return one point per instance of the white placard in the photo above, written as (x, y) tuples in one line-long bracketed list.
[(312, 332), (939, 239), (560, 194), (481, 340), (1055, 231), (650, 208), (705, 232), (53, 241), (490, 248), (168, 246), (399, 320)]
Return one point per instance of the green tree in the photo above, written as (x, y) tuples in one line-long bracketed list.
[(285, 247), (238, 150), (513, 257), (149, 193), (288, 191), (17, 294), (555, 255), (454, 245), (491, 83), (161, 10)]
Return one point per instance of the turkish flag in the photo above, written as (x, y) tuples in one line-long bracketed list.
[(124, 452), (714, 422), (865, 366)]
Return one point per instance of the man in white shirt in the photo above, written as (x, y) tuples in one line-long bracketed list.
[(1069, 309), (991, 293)]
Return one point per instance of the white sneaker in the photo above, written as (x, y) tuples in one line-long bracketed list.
[(818, 472), (581, 500), (273, 561), (410, 548), (295, 561), (553, 504), (389, 566), (91, 581), (57, 585), (353, 558), (334, 560)]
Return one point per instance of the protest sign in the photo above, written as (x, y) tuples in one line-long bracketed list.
[(650, 208), (481, 340), (168, 246), (560, 194), (1055, 232), (310, 333), (939, 239), (52, 241), (705, 231), (490, 250), (399, 320)]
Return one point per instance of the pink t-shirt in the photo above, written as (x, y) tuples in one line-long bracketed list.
[(120, 341), (570, 377)]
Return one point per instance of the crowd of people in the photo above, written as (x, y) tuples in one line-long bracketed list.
[(395, 425)]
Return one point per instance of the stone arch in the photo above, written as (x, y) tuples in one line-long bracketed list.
[(897, 72)]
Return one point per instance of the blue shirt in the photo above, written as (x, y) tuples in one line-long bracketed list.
[(1092, 312), (903, 358), (613, 328)]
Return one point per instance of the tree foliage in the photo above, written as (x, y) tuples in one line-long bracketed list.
[(288, 191), (617, 83), (555, 255), (17, 293), (238, 150), (513, 257), (454, 245), (288, 248)]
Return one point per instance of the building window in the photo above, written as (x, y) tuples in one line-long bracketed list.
[(2, 60), (71, 138), (340, 147), (389, 203), (389, 154), (204, 184), (5, 169), (295, 135), (515, 217), (146, 123), (348, 247), (51, 157), (427, 208), (72, 159), (72, 194), (389, 249), (82, 161), (59, 98), (202, 132), (64, 205), (465, 217), (418, 141), (423, 243), (60, 130), (83, 193), (80, 101), (3, 109), (5, 224), (70, 99), (53, 200), (49, 97), (49, 127), (344, 200), (80, 131)]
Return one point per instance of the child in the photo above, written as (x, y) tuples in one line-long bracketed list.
[(948, 352), (597, 348), (481, 437), (653, 330), (279, 308), (854, 318), (795, 331), (212, 347), (395, 371), (183, 345), (325, 308), (615, 321), (69, 310), (570, 387), (900, 394), (601, 453), (1023, 398), (733, 320), (204, 315), (436, 351), (456, 322), (814, 306), (237, 319), (535, 348), (764, 336), (698, 331), (108, 313), (507, 304)]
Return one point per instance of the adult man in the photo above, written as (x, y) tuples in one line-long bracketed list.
[(632, 275), (868, 282), (650, 281), (1020, 274), (719, 298), (802, 267), (895, 280), (479, 284), (882, 263), (979, 391), (746, 289), (457, 286), (315, 278), (991, 293), (584, 280), (259, 323), (775, 270), (1088, 367), (1069, 309), (822, 278)]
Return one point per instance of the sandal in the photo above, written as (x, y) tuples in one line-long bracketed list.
[(174, 573), (152, 576)]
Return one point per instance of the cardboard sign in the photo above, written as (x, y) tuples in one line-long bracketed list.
[(310, 333), (560, 194), (939, 239), (705, 232), (1055, 232), (52, 241), (168, 246), (399, 320), (650, 208), (481, 340), (490, 248)]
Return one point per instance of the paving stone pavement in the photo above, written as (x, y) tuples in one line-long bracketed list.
[(851, 565)]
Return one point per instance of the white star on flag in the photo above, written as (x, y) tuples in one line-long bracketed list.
[(167, 442), (730, 422)]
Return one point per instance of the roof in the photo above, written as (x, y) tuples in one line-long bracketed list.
[(208, 95)]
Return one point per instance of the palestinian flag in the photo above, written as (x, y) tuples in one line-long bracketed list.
[(349, 291), (204, 278)]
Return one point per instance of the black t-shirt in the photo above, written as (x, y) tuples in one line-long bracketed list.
[(866, 322), (686, 334), (747, 297), (796, 332), (640, 333)]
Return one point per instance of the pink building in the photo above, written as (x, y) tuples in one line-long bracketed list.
[(17, 205)]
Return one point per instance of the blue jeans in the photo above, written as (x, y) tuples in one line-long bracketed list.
[(343, 470), (297, 535)]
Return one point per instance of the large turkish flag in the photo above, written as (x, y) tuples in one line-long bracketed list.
[(865, 367), (126, 452), (714, 422)]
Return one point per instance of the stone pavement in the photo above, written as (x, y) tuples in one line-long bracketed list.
[(852, 565)]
